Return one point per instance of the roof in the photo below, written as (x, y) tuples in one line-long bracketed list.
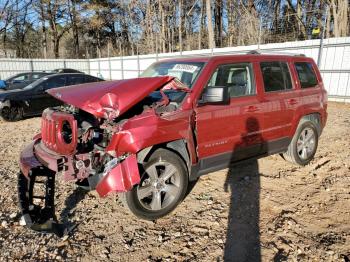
[(64, 74), (234, 56)]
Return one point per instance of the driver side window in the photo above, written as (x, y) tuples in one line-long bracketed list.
[(237, 77)]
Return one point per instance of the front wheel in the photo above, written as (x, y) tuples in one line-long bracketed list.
[(12, 113), (304, 144), (163, 186)]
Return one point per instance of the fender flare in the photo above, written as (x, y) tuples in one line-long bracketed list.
[(179, 147)]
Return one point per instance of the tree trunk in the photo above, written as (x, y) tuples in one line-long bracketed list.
[(75, 29), (230, 29), (210, 25), (218, 22), (328, 22), (335, 19), (201, 21), (56, 47), (180, 26), (162, 36)]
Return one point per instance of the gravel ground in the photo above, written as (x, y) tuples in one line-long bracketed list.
[(258, 211)]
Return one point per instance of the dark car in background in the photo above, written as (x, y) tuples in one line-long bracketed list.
[(66, 70), (21, 80), (33, 99)]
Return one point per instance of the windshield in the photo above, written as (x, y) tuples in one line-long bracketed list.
[(35, 83), (10, 78), (186, 72)]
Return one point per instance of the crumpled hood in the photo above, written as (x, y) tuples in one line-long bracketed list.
[(109, 99)]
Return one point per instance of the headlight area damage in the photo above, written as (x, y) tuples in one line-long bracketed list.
[(90, 141)]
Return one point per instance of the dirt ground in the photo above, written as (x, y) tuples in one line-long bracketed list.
[(265, 210)]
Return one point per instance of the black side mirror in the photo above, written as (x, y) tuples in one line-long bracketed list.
[(215, 95)]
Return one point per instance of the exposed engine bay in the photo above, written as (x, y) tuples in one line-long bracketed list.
[(92, 135)]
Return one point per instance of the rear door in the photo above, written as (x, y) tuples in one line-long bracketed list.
[(224, 129), (281, 98)]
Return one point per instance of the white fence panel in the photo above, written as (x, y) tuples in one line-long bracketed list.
[(335, 62), (9, 67)]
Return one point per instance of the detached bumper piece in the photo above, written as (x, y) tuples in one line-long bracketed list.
[(121, 178), (39, 217)]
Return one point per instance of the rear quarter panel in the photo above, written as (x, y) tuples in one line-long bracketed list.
[(312, 100)]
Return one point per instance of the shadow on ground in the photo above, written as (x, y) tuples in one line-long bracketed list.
[(70, 203), (243, 181)]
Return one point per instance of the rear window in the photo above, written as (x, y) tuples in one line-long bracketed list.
[(306, 74), (89, 79), (276, 76)]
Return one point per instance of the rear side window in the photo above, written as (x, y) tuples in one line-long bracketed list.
[(53, 82), (276, 76), (75, 80), (306, 74), (237, 77)]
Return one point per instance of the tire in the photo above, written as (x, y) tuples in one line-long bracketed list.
[(303, 146), (155, 197), (12, 113)]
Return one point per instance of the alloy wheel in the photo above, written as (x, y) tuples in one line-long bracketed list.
[(306, 143), (159, 187)]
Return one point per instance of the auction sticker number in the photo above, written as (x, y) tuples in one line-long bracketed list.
[(185, 68)]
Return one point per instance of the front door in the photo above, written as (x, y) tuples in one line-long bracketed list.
[(227, 133)]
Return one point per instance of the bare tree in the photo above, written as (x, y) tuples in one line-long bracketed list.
[(210, 25), (74, 20), (108, 27)]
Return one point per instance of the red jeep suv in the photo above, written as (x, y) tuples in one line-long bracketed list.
[(147, 138)]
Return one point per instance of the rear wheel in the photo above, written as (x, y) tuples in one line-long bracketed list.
[(12, 113), (304, 144), (163, 185)]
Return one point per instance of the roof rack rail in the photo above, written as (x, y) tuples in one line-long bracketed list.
[(260, 52)]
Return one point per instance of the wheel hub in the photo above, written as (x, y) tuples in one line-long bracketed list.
[(159, 185)]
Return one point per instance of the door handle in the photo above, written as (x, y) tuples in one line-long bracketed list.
[(252, 109), (292, 101)]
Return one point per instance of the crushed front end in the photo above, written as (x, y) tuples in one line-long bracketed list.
[(71, 146)]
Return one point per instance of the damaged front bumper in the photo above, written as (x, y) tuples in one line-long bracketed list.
[(40, 167)]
